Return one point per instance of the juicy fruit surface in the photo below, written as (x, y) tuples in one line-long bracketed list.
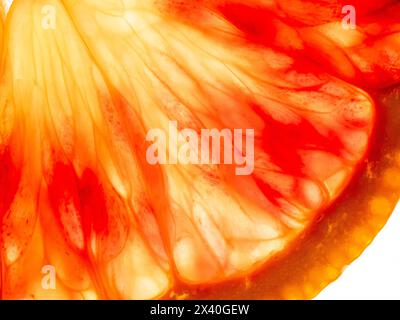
[(78, 98)]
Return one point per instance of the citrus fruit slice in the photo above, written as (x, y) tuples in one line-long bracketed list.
[(180, 149)]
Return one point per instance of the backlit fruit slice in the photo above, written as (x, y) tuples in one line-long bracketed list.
[(87, 85)]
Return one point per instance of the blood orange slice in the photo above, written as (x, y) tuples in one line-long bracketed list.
[(91, 87)]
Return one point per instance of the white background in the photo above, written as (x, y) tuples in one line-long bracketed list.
[(376, 273)]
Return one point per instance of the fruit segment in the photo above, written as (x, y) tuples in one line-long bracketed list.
[(90, 199), (84, 85), (322, 125)]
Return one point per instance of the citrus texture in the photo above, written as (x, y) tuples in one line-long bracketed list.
[(83, 82)]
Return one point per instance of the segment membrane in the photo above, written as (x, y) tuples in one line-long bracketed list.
[(79, 98)]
